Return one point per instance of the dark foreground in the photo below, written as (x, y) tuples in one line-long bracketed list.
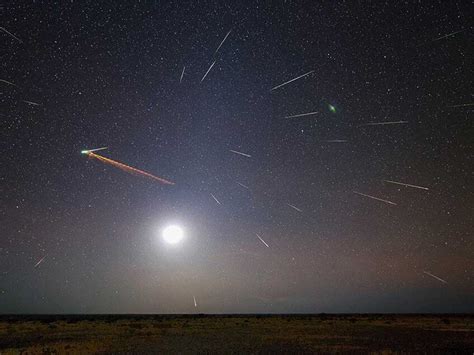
[(387, 334)]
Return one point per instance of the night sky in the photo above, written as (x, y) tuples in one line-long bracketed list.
[(81, 236)]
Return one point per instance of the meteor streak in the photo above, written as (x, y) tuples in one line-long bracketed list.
[(302, 114), (336, 141), (31, 103), (215, 199), (208, 70), (93, 150), (220, 45), (262, 240), (448, 35), (236, 152), (462, 105), (289, 81), (294, 207), (435, 277), (39, 262), (11, 34), (182, 74), (375, 198), (7, 82), (244, 186), (126, 168), (407, 185), (195, 303), (382, 123)]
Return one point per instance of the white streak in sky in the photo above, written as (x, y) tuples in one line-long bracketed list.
[(240, 153), (303, 114), (220, 45), (408, 185), (336, 141), (448, 35), (435, 277), (208, 70), (31, 103), (382, 123), (462, 105), (195, 303), (244, 186), (215, 199), (294, 207), (289, 81), (7, 82), (39, 262), (375, 198), (262, 240), (11, 34), (182, 74)]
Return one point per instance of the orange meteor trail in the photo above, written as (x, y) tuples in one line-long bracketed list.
[(127, 168)]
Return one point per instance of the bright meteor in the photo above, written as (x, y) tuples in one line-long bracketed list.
[(87, 151), (128, 169)]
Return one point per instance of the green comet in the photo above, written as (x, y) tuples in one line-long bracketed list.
[(332, 108)]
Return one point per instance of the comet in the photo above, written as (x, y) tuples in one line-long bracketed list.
[(262, 240), (128, 169)]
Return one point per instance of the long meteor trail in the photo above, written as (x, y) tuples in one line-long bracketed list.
[(11, 34), (407, 185), (262, 240), (295, 208), (215, 199), (220, 45), (240, 153), (435, 277), (126, 168), (7, 82), (39, 262), (208, 70), (303, 114), (375, 198), (383, 123), (290, 81)]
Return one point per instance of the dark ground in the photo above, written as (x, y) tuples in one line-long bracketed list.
[(259, 334)]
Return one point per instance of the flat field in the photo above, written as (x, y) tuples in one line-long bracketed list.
[(237, 334)]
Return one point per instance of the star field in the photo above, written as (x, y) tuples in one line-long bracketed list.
[(83, 75)]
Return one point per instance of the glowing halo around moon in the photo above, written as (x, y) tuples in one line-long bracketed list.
[(173, 234)]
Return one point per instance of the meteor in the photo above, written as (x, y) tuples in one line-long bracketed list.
[(407, 185), (240, 153), (182, 74), (39, 262), (121, 166), (290, 81), (195, 303), (244, 186), (220, 45), (375, 198), (382, 123), (262, 240), (31, 103), (93, 150), (11, 34), (336, 141), (295, 208), (303, 114), (7, 82), (435, 277), (215, 199), (208, 70)]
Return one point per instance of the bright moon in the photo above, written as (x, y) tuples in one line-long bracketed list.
[(173, 234)]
